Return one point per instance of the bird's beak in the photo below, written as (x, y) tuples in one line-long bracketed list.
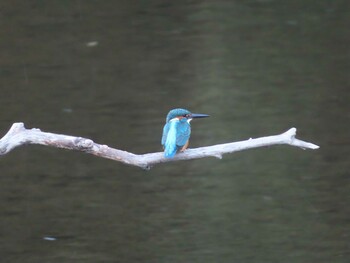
[(198, 115)]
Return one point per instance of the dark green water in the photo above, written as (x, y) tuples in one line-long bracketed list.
[(110, 71)]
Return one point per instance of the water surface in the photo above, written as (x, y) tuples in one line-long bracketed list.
[(111, 72)]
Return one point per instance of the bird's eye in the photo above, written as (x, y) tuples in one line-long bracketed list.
[(186, 115)]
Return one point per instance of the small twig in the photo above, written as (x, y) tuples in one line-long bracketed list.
[(18, 135)]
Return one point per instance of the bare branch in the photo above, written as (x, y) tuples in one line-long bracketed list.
[(18, 135)]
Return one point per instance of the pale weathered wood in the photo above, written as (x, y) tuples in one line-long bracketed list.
[(18, 135)]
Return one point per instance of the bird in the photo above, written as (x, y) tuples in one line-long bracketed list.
[(177, 131)]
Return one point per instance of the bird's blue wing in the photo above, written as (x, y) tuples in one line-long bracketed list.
[(169, 139), (183, 134), (165, 133)]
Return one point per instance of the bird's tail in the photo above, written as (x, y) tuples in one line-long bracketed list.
[(170, 151)]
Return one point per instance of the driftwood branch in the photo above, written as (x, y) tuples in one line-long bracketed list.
[(18, 135)]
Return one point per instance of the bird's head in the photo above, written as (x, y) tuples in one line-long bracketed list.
[(183, 114)]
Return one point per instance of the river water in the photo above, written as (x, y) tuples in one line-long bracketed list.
[(110, 71)]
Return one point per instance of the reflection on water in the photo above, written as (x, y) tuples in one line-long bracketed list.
[(257, 67)]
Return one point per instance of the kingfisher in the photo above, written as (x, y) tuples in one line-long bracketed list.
[(177, 131)]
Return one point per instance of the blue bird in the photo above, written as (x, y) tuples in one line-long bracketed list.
[(177, 131)]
